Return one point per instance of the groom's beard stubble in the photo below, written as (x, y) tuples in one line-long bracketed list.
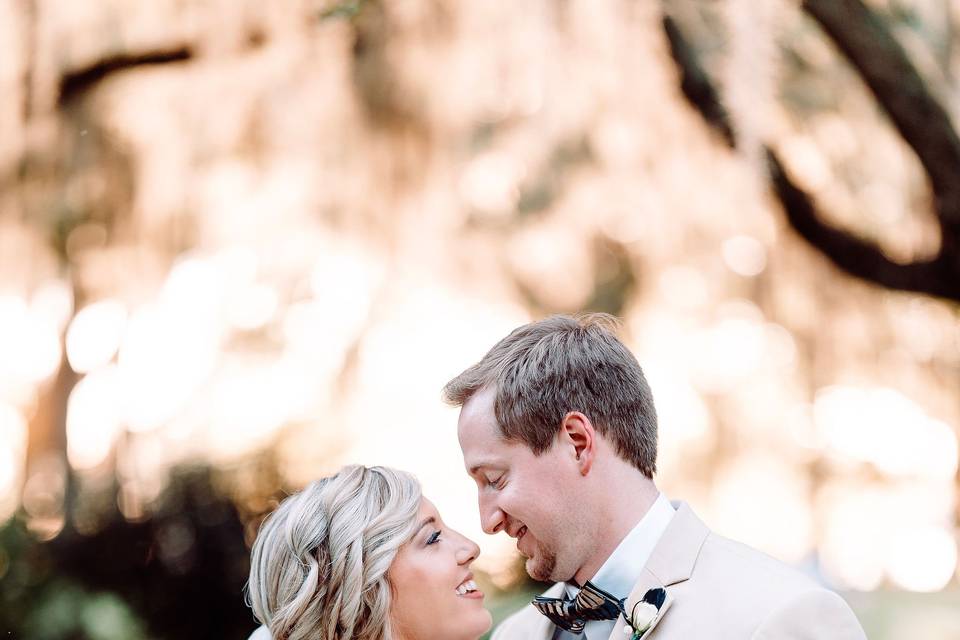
[(542, 565)]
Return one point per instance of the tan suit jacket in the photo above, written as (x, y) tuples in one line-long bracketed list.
[(717, 589)]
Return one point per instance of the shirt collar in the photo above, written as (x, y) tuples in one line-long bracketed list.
[(623, 567)]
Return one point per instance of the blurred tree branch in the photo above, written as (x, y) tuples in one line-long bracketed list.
[(76, 83), (695, 83), (921, 121)]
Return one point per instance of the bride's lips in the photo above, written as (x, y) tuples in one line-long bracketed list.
[(474, 592), (473, 595)]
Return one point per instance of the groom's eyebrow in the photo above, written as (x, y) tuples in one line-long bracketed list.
[(479, 466)]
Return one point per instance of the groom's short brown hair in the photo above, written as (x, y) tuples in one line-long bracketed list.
[(545, 369)]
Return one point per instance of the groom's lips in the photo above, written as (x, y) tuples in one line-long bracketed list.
[(520, 534)]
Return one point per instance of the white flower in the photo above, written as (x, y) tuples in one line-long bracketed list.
[(642, 616)]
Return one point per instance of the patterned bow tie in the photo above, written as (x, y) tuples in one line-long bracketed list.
[(571, 614)]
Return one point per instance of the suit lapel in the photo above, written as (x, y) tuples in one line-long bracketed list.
[(646, 582), (675, 555), (663, 612), (670, 563)]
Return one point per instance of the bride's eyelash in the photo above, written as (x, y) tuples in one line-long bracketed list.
[(433, 538)]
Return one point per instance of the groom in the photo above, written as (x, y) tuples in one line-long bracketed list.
[(559, 431)]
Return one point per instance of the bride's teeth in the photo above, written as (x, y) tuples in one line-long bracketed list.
[(466, 588)]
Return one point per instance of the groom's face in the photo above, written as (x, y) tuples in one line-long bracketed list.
[(530, 497)]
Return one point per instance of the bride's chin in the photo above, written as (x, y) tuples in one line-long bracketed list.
[(487, 623), (479, 623)]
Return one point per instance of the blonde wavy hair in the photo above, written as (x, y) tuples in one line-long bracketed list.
[(318, 568)]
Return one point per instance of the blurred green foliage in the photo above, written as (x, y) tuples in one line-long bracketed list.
[(178, 573)]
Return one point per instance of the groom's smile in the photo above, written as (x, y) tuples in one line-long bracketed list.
[(520, 538), (526, 544)]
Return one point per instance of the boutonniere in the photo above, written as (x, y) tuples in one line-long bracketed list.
[(642, 613)]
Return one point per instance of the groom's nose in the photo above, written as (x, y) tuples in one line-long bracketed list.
[(492, 519)]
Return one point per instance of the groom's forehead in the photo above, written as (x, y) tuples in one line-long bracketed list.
[(480, 445), (477, 424)]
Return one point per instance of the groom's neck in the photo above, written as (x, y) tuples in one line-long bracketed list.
[(620, 507)]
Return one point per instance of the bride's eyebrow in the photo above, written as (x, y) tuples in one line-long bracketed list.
[(425, 522)]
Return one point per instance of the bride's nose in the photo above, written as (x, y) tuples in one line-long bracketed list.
[(468, 551)]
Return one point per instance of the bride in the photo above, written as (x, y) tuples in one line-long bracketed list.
[(361, 555)]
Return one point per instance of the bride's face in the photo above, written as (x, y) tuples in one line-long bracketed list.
[(433, 591)]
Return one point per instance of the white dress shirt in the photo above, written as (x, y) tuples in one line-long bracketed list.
[(622, 569)]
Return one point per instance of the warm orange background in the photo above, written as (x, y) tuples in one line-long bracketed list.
[(282, 229)]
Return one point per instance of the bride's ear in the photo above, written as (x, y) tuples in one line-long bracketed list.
[(578, 436)]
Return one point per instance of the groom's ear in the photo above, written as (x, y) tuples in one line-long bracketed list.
[(578, 435)]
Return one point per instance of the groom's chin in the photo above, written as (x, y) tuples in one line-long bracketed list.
[(540, 567)]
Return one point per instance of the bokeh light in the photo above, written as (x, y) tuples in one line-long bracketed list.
[(94, 335), (264, 257)]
